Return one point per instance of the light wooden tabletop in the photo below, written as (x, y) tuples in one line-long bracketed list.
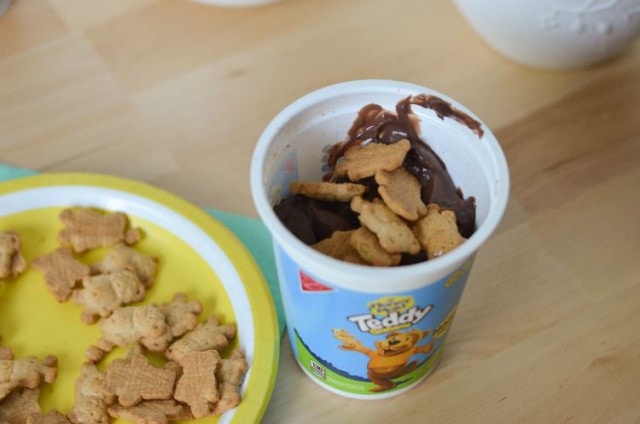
[(176, 94)]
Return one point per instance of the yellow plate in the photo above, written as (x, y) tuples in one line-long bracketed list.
[(197, 255)]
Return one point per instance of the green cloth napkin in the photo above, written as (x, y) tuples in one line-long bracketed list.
[(250, 231)]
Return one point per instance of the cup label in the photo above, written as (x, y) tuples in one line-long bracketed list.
[(367, 344), (389, 314)]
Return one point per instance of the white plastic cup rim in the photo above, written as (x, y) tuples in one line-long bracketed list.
[(364, 278)]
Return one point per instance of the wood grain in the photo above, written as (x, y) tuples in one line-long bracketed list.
[(176, 94)]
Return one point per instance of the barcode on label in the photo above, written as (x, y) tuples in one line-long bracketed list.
[(317, 369)]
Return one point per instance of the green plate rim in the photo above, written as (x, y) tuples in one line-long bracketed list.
[(265, 358)]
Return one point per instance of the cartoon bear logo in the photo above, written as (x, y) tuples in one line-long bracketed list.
[(390, 359)]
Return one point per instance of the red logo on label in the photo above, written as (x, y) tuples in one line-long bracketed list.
[(308, 284)]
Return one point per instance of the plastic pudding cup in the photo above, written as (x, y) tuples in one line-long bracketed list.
[(343, 320)]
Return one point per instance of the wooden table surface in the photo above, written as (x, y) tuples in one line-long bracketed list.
[(176, 94)]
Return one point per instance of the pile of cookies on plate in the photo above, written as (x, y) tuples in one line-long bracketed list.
[(192, 379)]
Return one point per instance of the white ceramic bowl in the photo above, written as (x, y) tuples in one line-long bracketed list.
[(555, 34)]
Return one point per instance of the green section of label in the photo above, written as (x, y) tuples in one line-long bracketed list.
[(331, 378)]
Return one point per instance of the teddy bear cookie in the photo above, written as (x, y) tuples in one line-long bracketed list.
[(86, 228), (28, 372), (12, 263)]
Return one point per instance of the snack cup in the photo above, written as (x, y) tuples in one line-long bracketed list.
[(370, 332)]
